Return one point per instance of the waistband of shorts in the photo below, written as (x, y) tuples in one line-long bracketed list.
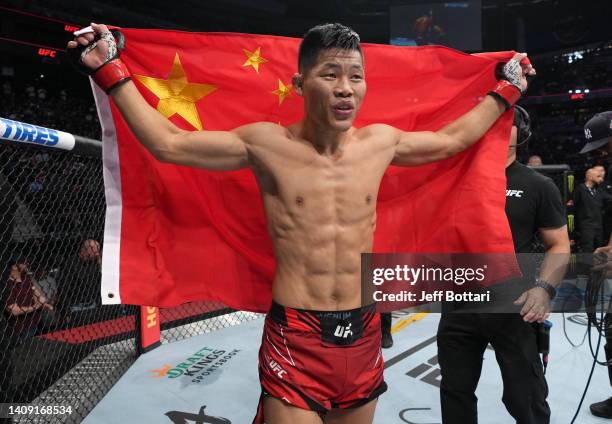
[(312, 320)]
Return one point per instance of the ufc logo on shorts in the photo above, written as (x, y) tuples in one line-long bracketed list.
[(514, 193), (343, 331), (277, 368)]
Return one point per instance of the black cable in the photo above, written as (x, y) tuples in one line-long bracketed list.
[(592, 295), (567, 336), (601, 335), (594, 287), (589, 379)]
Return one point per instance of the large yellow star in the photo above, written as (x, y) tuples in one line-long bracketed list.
[(177, 95), (282, 92), (254, 59)]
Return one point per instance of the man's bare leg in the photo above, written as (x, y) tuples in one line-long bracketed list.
[(362, 415), (278, 412)]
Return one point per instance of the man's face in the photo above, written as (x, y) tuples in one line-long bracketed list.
[(20, 267), (334, 88), (599, 174), (535, 161)]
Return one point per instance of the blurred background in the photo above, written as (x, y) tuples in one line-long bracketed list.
[(569, 42)]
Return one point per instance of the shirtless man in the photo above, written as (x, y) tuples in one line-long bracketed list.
[(320, 359)]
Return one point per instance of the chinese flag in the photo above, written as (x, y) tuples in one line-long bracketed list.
[(176, 234)]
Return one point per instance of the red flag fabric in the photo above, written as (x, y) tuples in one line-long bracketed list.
[(176, 234)]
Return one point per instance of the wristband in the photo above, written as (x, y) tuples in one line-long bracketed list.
[(111, 75), (552, 292), (506, 92)]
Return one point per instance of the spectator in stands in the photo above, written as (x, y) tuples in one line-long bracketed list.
[(81, 280), (24, 300), (534, 160), (589, 201), (90, 251)]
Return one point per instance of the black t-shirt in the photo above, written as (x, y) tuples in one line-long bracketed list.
[(533, 201)]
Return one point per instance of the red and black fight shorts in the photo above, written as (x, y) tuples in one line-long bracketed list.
[(321, 360)]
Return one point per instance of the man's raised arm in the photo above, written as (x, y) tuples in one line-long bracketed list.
[(417, 148), (216, 150)]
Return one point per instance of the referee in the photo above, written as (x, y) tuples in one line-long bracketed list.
[(533, 205)]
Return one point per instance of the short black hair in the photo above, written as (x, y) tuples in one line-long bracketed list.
[(324, 37)]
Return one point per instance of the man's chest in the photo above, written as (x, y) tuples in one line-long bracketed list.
[(351, 173), (521, 203)]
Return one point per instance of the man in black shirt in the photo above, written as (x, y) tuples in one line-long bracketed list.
[(589, 202), (533, 205), (598, 133)]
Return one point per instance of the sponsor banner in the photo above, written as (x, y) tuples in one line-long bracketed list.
[(149, 328), (198, 365), (33, 134)]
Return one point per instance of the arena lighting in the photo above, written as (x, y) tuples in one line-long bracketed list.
[(47, 52), (574, 56), (70, 28)]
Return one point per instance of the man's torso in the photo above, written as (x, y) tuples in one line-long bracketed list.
[(320, 210), (522, 202), (589, 207)]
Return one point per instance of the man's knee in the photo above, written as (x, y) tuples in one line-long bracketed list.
[(525, 395)]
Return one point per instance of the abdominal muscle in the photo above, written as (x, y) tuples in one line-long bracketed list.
[(318, 265)]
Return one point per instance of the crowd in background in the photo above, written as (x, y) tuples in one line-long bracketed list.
[(43, 102), (50, 202)]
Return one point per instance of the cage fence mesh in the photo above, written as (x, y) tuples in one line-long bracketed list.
[(58, 344)]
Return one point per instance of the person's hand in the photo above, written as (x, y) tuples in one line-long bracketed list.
[(536, 305), (48, 306), (602, 260), (516, 71), (100, 46)]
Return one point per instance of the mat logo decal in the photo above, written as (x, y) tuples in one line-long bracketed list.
[(162, 371), (429, 371), (404, 412), (180, 417), (198, 365)]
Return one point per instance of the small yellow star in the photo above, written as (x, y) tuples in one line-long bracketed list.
[(282, 92), (254, 59), (177, 95)]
